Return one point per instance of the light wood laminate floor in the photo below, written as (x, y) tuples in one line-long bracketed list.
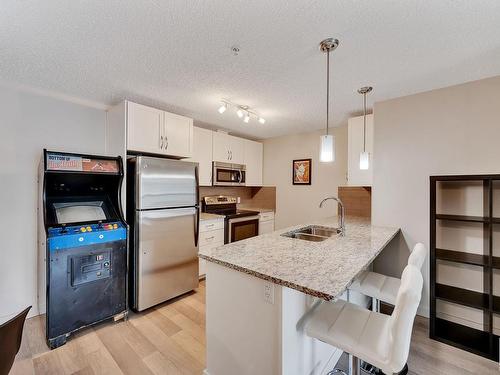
[(170, 339)]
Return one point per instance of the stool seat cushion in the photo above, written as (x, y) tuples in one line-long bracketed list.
[(381, 340), (353, 329), (378, 286)]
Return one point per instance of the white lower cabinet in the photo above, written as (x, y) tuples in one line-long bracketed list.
[(211, 236), (266, 222)]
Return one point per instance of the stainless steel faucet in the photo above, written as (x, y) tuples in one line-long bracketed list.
[(342, 213)]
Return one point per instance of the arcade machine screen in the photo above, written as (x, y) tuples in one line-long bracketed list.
[(86, 242), (79, 212)]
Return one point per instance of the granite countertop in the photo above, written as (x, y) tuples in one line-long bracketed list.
[(321, 269), (204, 216)]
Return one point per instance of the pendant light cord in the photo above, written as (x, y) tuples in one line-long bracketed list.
[(364, 122), (327, 89)]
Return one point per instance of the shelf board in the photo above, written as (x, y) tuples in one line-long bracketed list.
[(496, 262), (463, 337), (473, 177), (462, 257), (474, 219), (463, 297), (496, 304)]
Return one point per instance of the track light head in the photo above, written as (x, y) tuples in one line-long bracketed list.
[(222, 108), (262, 120), (246, 119), (239, 112)]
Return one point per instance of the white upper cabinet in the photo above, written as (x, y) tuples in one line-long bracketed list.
[(221, 147), (178, 135), (356, 176), (144, 128), (155, 131), (202, 154), (253, 162), (228, 149)]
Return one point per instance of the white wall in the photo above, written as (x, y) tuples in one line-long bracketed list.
[(29, 123), (297, 204), (455, 130)]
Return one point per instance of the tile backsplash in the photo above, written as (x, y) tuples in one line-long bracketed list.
[(256, 197)]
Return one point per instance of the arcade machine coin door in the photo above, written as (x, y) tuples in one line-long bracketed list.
[(85, 238)]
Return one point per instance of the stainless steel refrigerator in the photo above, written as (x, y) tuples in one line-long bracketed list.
[(162, 210)]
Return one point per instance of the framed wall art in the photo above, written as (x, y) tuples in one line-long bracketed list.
[(301, 172)]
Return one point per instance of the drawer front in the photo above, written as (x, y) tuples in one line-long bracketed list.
[(209, 225), (212, 237), (264, 216)]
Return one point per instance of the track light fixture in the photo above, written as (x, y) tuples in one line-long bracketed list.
[(242, 111)]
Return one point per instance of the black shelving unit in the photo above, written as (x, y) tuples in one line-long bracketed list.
[(482, 342)]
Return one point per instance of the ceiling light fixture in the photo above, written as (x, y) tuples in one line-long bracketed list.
[(364, 156), (222, 108), (242, 111), (327, 141)]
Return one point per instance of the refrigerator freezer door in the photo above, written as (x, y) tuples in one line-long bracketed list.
[(167, 255), (164, 183)]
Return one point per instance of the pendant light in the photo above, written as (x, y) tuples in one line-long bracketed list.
[(327, 141), (364, 156)]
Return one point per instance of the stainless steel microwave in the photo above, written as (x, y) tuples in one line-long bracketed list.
[(228, 174)]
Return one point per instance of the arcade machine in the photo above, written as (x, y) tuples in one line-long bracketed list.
[(84, 237)]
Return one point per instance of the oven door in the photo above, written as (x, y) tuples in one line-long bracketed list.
[(225, 174), (242, 228)]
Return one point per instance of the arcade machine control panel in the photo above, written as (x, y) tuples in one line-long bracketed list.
[(94, 266)]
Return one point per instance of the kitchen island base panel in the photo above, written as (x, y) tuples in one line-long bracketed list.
[(246, 334)]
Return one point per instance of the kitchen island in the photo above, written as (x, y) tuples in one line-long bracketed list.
[(259, 289)]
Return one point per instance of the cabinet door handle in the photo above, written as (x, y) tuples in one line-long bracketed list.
[(165, 135), (160, 136)]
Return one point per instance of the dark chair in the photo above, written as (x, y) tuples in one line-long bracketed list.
[(11, 333)]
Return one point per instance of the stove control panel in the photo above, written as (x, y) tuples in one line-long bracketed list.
[(219, 199)]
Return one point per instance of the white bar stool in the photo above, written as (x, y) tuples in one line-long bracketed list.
[(381, 340), (385, 288)]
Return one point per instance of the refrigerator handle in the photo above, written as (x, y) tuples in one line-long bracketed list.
[(197, 206), (197, 226)]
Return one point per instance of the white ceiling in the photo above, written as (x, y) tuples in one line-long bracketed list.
[(176, 54)]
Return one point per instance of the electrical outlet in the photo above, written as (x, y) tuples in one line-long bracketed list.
[(238, 200), (269, 293)]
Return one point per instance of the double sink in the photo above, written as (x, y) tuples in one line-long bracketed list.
[(314, 233)]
